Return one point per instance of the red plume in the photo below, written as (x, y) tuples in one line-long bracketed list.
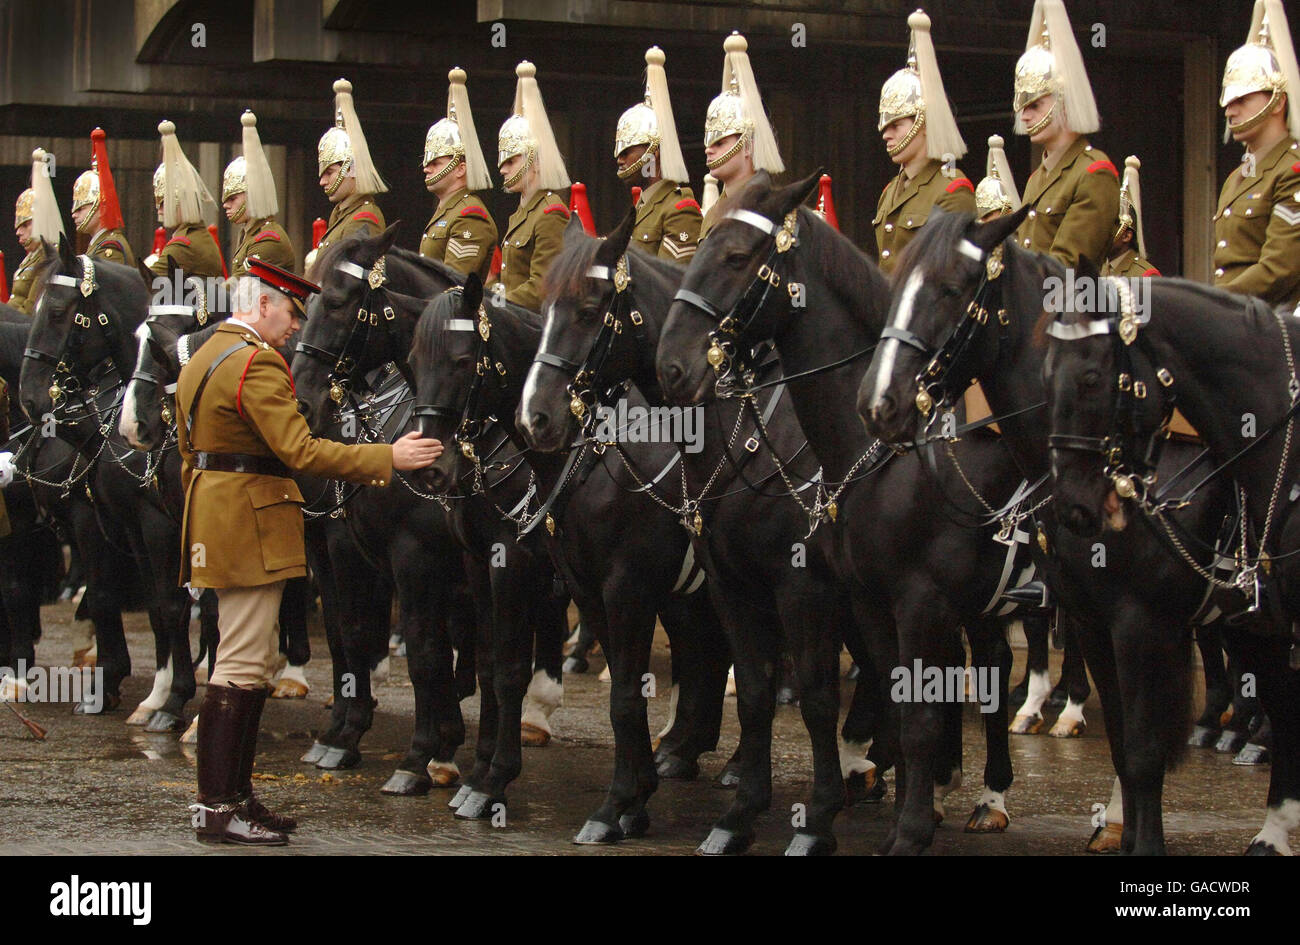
[(4, 280), (110, 211), (636, 196), (159, 240), (825, 202), (212, 228), (495, 269), (578, 204), (318, 227)]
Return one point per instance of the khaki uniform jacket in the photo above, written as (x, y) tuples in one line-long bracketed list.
[(534, 237), (265, 240), (1129, 266), (461, 234), (24, 277), (718, 211), (358, 214), (1257, 227), (905, 205), (245, 529), (668, 221), (194, 251), (111, 246), (1074, 207)]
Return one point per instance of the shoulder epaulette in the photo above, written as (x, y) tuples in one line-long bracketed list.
[(112, 244), (267, 234), (183, 240), (1295, 168), (1096, 166), (688, 202), (557, 208), (1153, 271), (474, 212), (959, 183), (367, 216)]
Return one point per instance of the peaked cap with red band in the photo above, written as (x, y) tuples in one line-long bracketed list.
[(297, 288)]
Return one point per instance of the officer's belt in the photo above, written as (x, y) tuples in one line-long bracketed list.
[(240, 463)]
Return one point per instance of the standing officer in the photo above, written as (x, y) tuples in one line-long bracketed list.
[(738, 140), (1257, 224), (36, 218), (248, 196), (182, 200), (95, 209), (1074, 192), (347, 175), (921, 137), (461, 233), (650, 157), (1128, 250), (530, 163), (241, 438)]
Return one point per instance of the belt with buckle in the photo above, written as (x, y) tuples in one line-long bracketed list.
[(241, 463)]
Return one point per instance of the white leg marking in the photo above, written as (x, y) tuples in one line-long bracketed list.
[(1115, 809), (995, 800), (1279, 823), (544, 696), (853, 757), (1040, 687)]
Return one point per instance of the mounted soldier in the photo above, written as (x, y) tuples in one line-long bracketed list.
[(183, 200), (649, 156), (461, 233), (241, 438), (347, 175), (249, 198), (738, 138), (921, 137), (1257, 224), (1128, 249), (996, 194), (1074, 193), (529, 161), (95, 209)]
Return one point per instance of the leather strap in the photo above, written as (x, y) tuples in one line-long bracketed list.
[(198, 391), (241, 463)]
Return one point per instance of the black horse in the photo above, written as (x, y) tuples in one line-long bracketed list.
[(620, 554), (80, 353), (1116, 366), (903, 536), (605, 309)]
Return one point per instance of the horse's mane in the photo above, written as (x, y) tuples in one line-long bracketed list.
[(332, 253)]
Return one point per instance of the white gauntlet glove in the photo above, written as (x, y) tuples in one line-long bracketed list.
[(6, 468)]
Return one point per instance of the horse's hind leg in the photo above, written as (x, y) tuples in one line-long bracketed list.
[(1279, 692), (859, 755), (1074, 677), (1218, 688), (294, 644), (545, 691), (700, 659), (991, 661), (1038, 683)]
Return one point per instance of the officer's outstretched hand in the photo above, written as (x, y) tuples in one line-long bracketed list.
[(415, 451)]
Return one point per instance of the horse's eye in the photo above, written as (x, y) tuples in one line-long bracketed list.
[(737, 260), (950, 291)]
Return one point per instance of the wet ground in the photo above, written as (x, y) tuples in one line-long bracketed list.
[(97, 786)]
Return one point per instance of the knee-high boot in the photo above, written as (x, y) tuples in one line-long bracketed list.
[(220, 814), (255, 809)]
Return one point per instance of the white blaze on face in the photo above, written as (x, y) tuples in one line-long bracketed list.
[(128, 425), (531, 382), (889, 347)]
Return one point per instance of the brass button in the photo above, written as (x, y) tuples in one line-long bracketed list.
[(1222, 243), (1026, 242), (889, 227), (1248, 211), (382, 483), (884, 254), (909, 222), (1227, 212), (1048, 210), (1218, 272), (1032, 214)]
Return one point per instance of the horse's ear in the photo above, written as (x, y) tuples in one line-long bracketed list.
[(171, 270), (785, 199), (988, 235), (1084, 269), (615, 245), (382, 243), (472, 297), (145, 272), (573, 231), (67, 252)]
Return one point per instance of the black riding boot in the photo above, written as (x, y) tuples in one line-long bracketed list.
[(255, 809), (220, 814)]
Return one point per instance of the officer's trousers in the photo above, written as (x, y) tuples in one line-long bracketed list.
[(249, 637)]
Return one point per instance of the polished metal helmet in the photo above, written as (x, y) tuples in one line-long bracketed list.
[(1053, 65), (637, 126), (1266, 63), (235, 179), (85, 190), (159, 183), (24, 206)]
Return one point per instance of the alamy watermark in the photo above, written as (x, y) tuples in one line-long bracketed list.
[(56, 684), (635, 423), (1098, 295), (946, 684)]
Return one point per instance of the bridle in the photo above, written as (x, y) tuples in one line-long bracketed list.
[(725, 353), (68, 375), (199, 314)]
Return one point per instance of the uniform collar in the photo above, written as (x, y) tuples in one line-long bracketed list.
[(238, 327), (527, 207), (904, 187), (656, 192), (1043, 177), (1238, 183)]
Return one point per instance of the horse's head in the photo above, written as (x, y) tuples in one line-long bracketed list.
[(735, 293), (447, 364), (937, 326), (354, 325), (588, 309), (81, 328), (1107, 413)]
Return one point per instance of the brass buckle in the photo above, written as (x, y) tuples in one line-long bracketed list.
[(1125, 382), (635, 317), (1139, 390), (1166, 379), (769, 275)]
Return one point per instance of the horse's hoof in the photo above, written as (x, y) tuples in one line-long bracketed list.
[(407, 784), (807, 844), (576, 664), (604, 676), (1026, 724), (730, 776), (786, 696), (1262, 848), (110, 702), (459, 797), (533, 736), (634, 825), (594, 832), (677, 768), (329, 703), (335, 758), (478, 806), (289, 689), (1252, 754), (315, 753), (723, 842), (443, 773), (858, 787), (876, 792), (141, 715), (1105, 839), (191, 736), (986, 819), (1068, 728), (1203, 737), (163, 721), (1230, 742)]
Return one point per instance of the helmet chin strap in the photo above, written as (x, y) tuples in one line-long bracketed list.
[(730, 153), (1042, 123), (1257, 119), (639, 163), (333, 188), (918, 122), (518, 175), (450, 166), (88, 220)]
